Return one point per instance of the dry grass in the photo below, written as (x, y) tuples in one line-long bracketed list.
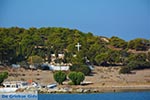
[(102, 76)]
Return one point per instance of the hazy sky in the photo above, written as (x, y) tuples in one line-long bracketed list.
[(127, 19)]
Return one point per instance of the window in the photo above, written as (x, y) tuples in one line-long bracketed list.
[(7, 85)]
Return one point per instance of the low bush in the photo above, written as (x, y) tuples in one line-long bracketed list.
[(132, 65), (125, 70), (59, 77), (3, 76), (76, 77), (81, 68)]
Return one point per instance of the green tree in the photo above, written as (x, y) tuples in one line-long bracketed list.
[(114, 57), (134, 64), (117, 42), (81, 68), (136, 57), (94, 50), (138, 65), (76, 77), (80, 78), (59, 77), (77, 60), (3, 76), (102, 59), (73, 77), (35, 60), (138, 44)]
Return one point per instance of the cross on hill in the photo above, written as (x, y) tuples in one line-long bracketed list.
[(78, 46)]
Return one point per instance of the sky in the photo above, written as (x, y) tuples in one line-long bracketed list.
[(127, 19)]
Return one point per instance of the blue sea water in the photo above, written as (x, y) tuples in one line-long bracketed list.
[(99, 96)]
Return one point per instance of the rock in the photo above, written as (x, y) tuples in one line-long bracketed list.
[(86, 91), (95, 90), (62, 90), (80, 90), (43, 90), (70, 90)]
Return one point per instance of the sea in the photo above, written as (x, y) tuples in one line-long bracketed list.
[(145, 95)]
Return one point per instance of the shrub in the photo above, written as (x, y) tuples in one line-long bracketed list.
[(76, 77), (3, 76), (132, 65), (73, 77), (80, 77), (81, 68), (125, 70), (60, 77), (138, 65)]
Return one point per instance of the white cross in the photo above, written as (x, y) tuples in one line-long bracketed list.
[(78, 46)]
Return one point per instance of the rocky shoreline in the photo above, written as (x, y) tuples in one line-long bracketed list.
[(61, 89), (95, 90)]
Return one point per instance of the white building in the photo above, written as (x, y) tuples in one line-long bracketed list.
[(54, 57), (58, 67), (61, 56)]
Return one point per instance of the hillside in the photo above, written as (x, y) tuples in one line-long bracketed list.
[(19, 44)]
